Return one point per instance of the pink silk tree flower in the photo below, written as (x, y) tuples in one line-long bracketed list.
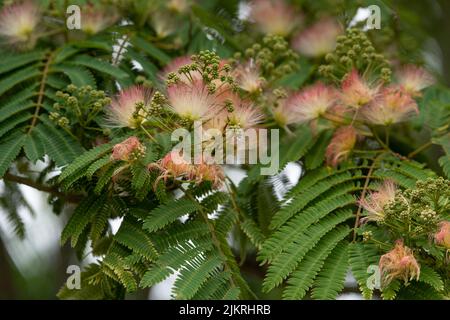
[(399, 263), (273, 17), (206, 171), (128, 150), (19, 23), (193, 101), (442, 236), (95, 20), (393, 105), (319, 39), (341, 145), (375, 202), (356, 92), (244, 115), (173, 165), (311, 102), (248, 77), (414, 79), (124, 109)]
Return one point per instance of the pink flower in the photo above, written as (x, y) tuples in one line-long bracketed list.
[(248, 77), (18, 22), (123, 111), (218, 121), (399, 263), (355, 92), (95, 20), (206, 171), (245, 115), (319, 39), (174, 165), (285, 113), (175, 65), (393, 105), (128, 150), (311, 102), (273, 17), (413, 79), (341, 145), (442, 237), (376, 201), (193, 101)]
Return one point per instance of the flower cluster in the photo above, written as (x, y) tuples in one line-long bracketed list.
[(264, 62), (128, 108), (354, 49), (128, 150), (418, 216), (318, 39), (375, 202), (273, 17), (19, 23), (175, 166), (399, 263), (97, 19)]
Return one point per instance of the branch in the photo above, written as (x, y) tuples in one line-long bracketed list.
[(74, 198)]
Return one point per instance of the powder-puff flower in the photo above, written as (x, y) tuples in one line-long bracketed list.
[(442, 236), (128, 107), (244, 115), (128, 150), (414, 79), (285, 113), (206, 171), (399, 263), (248, 77), (341, 145), (95, 20), (319, 39), (175, 65), (218, 122), (311, 102), (192, 101), (393, 105), (375, 202), (18, 23), (273, 17), (356, 92)]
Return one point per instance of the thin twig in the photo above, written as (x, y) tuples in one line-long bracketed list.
[(364, 191), (45, 188)]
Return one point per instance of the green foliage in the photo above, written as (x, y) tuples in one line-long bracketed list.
[(60, 95)]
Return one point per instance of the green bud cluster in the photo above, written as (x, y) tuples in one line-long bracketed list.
[(420, 209), (355, 50), (78, 105), (273, 56)]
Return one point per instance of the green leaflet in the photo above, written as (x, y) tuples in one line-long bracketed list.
[(9, 150)]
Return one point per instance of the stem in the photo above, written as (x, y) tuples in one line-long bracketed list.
[(49, 189), (41, 92), (211, 230), (148, 134), (363, 193), (388, 131), (214, 237), (420, 149)]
